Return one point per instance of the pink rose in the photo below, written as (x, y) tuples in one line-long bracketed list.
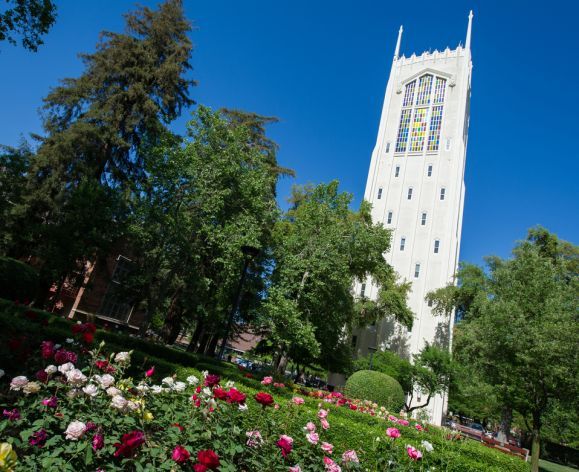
[(403, 422), (298, 401), (413, 453), (313, 438), (350, 456), (311, 427), (267, 381), (331, 466), (254, 438), (295, 468), (180, 455), (393, 418), (322, 413), (327, 447), (393, 433), (325, 423), (418, 427), (17, 383)]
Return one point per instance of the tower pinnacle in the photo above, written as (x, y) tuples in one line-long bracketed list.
[(468, 31), (397, 51)]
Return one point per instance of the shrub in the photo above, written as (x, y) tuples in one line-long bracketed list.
[(376, 387), (18, 281)]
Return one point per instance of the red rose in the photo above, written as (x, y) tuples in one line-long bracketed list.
[(208, 458), (129, 443), (235, 396), (211, 380), (88, 338), (150, 372), (199, 468), (42, 376), (220, 393), (47, 349), (177, 425), (264, 399), (285, 443), (180, 454)]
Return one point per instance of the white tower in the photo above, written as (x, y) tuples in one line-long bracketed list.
[(416, 187)]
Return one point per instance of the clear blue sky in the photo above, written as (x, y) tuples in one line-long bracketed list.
[(322, 67)]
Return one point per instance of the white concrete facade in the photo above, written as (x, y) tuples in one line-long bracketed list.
[(416, 188)]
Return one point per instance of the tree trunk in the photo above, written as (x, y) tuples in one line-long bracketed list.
[(536, 447), (210, 351), (173, 318), (195, 337), (203, 340), (505, 427)]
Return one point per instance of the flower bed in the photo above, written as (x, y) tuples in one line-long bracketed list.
[(84, 407)]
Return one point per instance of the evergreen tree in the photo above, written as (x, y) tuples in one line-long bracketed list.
[(30, 19)]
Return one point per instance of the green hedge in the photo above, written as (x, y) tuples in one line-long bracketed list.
[(18, 281), (376, 387)]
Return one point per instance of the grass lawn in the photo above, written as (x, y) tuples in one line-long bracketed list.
[(552, 467)]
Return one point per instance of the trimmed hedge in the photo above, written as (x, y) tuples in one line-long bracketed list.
[(18, 281), (376, 387)]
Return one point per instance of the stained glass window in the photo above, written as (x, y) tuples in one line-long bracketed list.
[(409, 94), (419, 126), (403, 130), (439, 90), (421, 118), (424, 89), (435, 124)]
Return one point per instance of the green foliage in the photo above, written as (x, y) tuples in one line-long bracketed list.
[(18, 281), (391, 364), (320, 248), (30, 19), (377, 387)]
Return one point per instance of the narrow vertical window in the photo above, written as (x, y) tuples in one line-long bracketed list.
[(418, 130), (424, 89), (436, 246), (429, 171), (389, 219), (447, 146), (387, 147), (410, 193), (423, 219), (435, 124), (442, 193), (363, 290), (416, 271), (379, 193), (403, 130), (402, 243), (396, 171)]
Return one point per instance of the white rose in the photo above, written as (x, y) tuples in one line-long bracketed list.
[(51, 369), (106, 381), (180, 386), (133, 406), (123, 357), (243, 407), (113, 391), (142, 388), (64, 368), (75, 430), (73, 392), (69, 340), (169, 381), (207, 392), (31, 387), (57, 347), (91, 390), (18, 383), (229, 384), (426, 445), (192, 380), (205, 373), (76, 377), (119, 402), (156, 389)]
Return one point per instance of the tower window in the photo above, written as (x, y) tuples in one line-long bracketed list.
[(363, 290), (442, 193), (379, 193), (387, 147), (389, 218), (421, 117), (402, 243), (436, 246), (416, 271), (429, 171), (410, 193), (423, 219), (396, 171)]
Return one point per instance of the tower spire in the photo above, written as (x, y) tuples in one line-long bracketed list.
[(397, 51), (468, 31)]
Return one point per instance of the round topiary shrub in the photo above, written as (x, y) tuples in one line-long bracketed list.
[(376, 387), (18, 281)]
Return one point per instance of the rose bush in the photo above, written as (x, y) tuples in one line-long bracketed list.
[(124, 411)]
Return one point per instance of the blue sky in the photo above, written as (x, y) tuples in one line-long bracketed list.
[(322, 67)]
